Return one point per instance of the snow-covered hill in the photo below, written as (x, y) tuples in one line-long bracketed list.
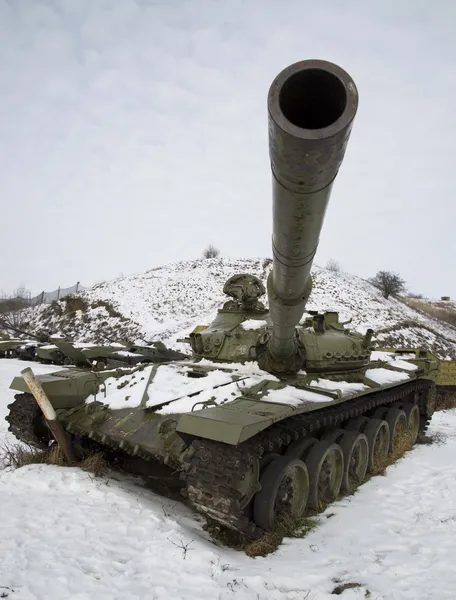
[(167, 302)]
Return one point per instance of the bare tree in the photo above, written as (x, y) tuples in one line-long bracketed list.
[(333, 265), (13, 309), (211, 252), (390, 284)]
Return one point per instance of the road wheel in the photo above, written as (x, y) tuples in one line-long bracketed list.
[(355, 449), (284, 492), (325, 463), (378, 438)]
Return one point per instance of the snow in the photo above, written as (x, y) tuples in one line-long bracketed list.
[(345, 387), (393, 359), (211, 396), (382, 355), (248, 368), (171, 385), (171, 381), (86, 346), (402, 364), (254, 324), (130, 394), (70, 535), (384, 376), (294, 396), (128, 354)]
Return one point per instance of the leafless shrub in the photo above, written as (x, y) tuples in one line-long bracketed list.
[(184, 547), (211, 252), (14, 308), (390, 284), (333, 265)]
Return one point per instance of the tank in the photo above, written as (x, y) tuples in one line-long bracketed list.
[(279, 410), (30, 342), (61, 350), (9, 345)]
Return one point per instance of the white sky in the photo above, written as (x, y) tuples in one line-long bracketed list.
[(134, 133)]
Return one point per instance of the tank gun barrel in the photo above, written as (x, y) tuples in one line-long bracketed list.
[(27, 333), (311, 107)]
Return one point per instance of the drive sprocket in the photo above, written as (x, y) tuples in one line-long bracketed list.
[(26, 422)]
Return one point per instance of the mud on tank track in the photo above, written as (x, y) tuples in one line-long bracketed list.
[(215, 472)]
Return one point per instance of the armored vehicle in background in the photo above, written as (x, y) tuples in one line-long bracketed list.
[(115, 354), (8, 345), (278, 410), (61, 350)]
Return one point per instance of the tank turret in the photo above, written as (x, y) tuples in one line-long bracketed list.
[(311, 107)]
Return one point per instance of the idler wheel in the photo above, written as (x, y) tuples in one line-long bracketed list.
[(325, 463), (412, 412), (100, 364), (355, 449), (378, 438), (284, 492), (301, 448), (398, 426)]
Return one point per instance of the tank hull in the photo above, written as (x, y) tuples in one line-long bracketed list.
[(216, 444)]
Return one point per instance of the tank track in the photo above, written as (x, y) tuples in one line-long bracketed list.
[(216, 471), (25, 421)]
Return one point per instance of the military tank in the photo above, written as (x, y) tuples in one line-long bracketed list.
[(62, 351), (30, 342), (9, 345), (279, 410)]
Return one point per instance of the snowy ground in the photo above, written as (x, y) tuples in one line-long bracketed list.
[(66, 535)]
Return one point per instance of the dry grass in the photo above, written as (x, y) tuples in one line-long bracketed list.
[(402, 444), (74, 303), (269, 540), (19, 455), (435, 438), (340, 589), (445, 400), (448, 315)]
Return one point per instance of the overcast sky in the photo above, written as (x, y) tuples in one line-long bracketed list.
[(134, 133)]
